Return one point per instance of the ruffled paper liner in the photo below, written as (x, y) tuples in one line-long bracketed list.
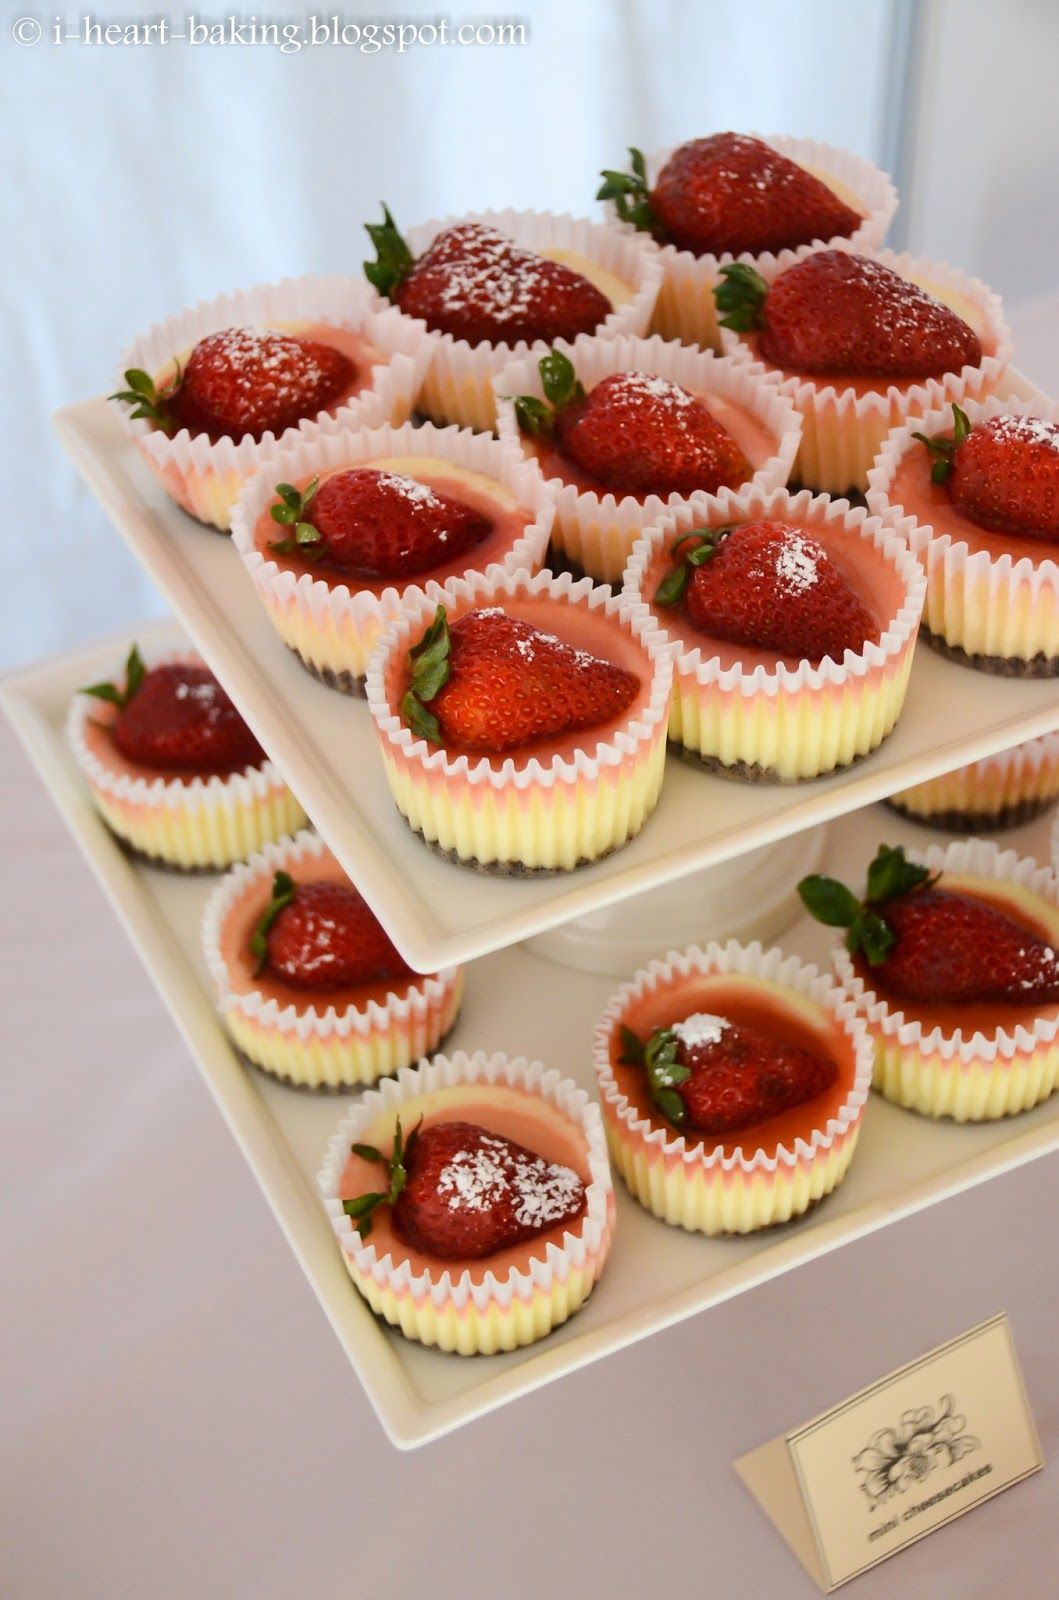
[(318, 1045), (999, 791), (971, 1079), (685, 308), (842, 431), (459, 384), (999, 614), (715, 1191), (598, 531), (438, 1306), (334, 627), (206, 476), (782, 723), (207, 822), (547, 814)]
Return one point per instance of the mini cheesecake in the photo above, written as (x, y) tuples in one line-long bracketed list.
[(402, 1241), (209, 394), (332, 576), (663, 449), (479, 291), (733, 1082), (756, 711), (324, 1002), (735, 194), (993, 592), (475, 780), (1001, 791), (172, 768), (952, 962), (846, 414)]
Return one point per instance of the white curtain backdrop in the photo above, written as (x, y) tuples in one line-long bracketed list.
[(139, 179)]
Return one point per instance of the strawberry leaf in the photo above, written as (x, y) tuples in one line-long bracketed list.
[(943, 446), (561, 388), (632, 1051), (741, 297), (703, 544), (630, 194), (664, 1072), (423, 723), (559, 380), (363, 1206), (534, 416), (891, 875), (148, 401), (430, 659), (829, 901), (394, 261), (135, 672), (367, 1152), (872, 936), (283, 892)]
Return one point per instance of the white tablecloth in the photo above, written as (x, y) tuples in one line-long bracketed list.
[(179, 1421)]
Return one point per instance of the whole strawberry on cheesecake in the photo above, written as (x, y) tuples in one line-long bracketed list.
[(521, 721), (172, 767), (472, 1201), (490, 284), (981, 482), (309, 985), (791, 621), (732, 1082), (733, 195), (859, 343), (209, 393), (952, 960), (621, 428), (335, 531)]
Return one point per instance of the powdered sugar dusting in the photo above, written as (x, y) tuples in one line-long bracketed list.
[(316, 951), (701, 1028), (496, 271), (541, 1192), (797, 564), (208, 700), (1025, 430)]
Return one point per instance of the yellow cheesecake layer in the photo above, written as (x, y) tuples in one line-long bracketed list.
[(318, 1059), (213, 832), (708, 1199), (553, 827), (796, 733)]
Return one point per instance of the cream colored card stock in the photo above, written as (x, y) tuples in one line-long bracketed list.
[(901, 1458)]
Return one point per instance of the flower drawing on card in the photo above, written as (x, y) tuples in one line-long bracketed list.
[(896, 1458)]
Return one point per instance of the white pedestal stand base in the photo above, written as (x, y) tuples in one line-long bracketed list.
[(753, 896)]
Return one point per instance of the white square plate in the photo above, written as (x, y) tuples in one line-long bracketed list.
[(656, 1275), (435, 912)]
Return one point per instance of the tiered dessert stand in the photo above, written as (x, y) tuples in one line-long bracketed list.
[(547, 952)]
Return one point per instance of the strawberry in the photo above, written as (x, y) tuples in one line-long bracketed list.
[(477, 284), (717, 1076), (177, 716), (937, 945), (494, 682), (321, 935), (729, 192), (1003, 474), (244, 382), (635, 432), (770, 585), (460, 1192), (836, 312), (376, 524)]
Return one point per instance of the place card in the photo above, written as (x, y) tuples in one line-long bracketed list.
[(901, 1458)]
